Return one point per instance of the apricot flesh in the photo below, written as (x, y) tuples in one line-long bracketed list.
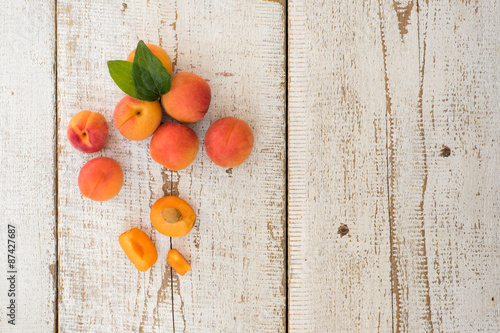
[(139, 248), (88, 131), (229, 142), (188, 99), (172, 216), (177, 261), (100, 179), (174, 146), (135, 119), (160, 53)]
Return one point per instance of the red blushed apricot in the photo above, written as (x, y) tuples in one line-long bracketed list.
[(188, 99), (100, 179), (88, 131), (137, 120), (177, 262), (160, 53), (229, 142), (139, 248), (172, 216), (174, 146)]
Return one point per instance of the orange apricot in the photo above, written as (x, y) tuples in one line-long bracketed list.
[(229, 142), (188, 99), (174, 146), (88, 131), (100, 179), (137, 120), (172, 216), (178, 262), (139, 248), (160, 53)]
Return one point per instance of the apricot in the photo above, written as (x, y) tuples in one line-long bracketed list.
[(137, 120), (188, 99), (229, 142), (100, 179), (177, 262), (174, 146), (139, 248), (160, 53), (88, 131), (172, 216)]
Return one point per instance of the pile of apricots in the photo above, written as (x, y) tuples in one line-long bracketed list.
[(228, 143)]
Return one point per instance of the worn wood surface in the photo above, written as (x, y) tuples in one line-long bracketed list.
[(385, 114), (27, 165), (338, 245)]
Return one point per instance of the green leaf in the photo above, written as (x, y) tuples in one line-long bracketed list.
[(121, 73), (151, 78)]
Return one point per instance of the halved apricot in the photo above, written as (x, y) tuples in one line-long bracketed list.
[(139, 248), (178, 262), (172, 216)]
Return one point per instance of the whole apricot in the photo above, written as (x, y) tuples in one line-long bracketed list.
[(174, 146), (160, 53), (88, 131), (172, 216), (100, 179), (137, 120), (188, 99), (229, 142)]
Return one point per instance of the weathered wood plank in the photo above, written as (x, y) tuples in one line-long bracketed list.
[(99, 288), (442, 112), (459, 110), (237, 248), (337, 169), (27, 164), (406, 162)]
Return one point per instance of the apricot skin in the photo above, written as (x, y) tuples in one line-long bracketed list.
[(229, 142), (135, 119), (160, 53), (174, 146), (139, 248), (88, 131), (176, 229), (188, 99), (100, 179)]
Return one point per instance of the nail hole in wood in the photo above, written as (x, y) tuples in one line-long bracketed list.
[(445, 152), (343, 230)]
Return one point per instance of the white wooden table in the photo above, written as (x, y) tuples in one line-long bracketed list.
[(371, 201)]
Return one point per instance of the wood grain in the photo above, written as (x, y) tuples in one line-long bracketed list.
[(237, 248), (339, 280), (27, 163), (100, 290), (459, 110)]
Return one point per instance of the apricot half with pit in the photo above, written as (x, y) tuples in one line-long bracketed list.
[(172, 216)]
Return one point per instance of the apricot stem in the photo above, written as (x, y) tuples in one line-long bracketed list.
[(171, 215)]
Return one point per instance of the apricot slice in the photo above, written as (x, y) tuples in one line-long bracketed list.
[(178, 262), (139, 248), (172, 216)]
